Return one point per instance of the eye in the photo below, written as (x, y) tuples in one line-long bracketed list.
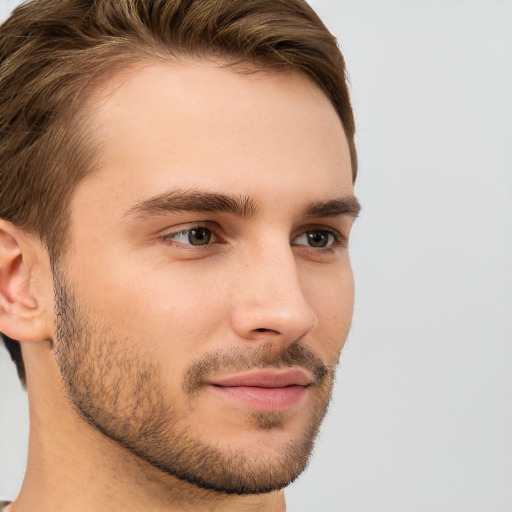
[(318, 238), (193, 236)]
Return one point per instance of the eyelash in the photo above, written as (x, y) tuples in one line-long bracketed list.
[(339, 240), (189, 247)]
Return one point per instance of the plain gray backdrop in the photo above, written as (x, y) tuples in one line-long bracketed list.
[(421, 418)]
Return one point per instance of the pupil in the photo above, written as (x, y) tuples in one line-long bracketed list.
[(318, 239), (201, 236)]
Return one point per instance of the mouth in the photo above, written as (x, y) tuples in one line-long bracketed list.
[(264, 390)]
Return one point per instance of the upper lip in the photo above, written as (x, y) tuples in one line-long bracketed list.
[(266, 378)]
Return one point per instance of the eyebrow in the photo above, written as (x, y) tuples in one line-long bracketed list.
[(241, 206), (198, 201), (348, 205)]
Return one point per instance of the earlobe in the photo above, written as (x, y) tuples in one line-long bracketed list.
[(21, 314)]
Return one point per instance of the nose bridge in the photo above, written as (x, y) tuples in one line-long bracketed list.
[(270, 296)]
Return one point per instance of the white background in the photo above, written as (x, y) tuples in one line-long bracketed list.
[(422, 413)]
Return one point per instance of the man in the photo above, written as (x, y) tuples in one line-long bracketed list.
[(176, 202)]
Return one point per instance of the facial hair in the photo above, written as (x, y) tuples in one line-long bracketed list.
[(120, 392)]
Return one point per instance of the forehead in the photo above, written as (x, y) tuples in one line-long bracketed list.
[(197, 124)]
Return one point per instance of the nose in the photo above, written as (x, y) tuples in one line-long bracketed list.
[(270, 302)]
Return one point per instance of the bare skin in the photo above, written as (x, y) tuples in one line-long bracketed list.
[(153, 299)]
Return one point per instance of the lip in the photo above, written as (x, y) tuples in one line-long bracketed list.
[(266, 379), (264, 390)]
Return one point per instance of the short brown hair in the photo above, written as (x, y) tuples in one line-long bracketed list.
[(54, 52)]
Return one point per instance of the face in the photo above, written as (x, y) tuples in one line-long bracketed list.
[(207, 290)]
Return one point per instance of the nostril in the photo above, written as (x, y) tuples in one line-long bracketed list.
[(262, 329)]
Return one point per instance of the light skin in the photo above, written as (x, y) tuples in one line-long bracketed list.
[(205, 296)]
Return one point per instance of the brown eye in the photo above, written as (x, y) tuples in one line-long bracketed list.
[(199, 236), (318, 238), (193, 236)]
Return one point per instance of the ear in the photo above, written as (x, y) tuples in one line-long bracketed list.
[(26, 296)]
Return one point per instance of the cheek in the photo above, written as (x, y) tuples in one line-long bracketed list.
[(172, 307), (332, 297), (165, 311)]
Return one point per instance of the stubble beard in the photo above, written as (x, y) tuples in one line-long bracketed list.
[(122, 395)]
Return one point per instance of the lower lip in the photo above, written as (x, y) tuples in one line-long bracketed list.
[(263, 399)]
